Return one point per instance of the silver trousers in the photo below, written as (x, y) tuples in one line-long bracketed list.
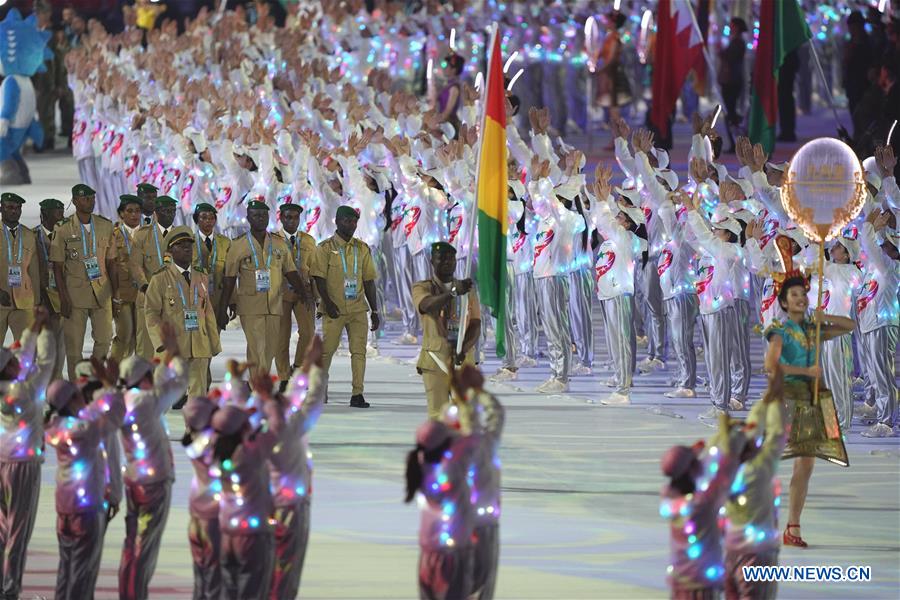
[(80, 538), (205, 540), (526, 314), (247, 563), (487, 556), (719, 330), (740, 357), (681, 313), (553, 294), (87, 172), (618, 322), (509, 328), (581, 288), (837, 366), (404, 278), (656, 317), (148, 511), (640, 305), (20, 489), (881, 345), (291, 541)]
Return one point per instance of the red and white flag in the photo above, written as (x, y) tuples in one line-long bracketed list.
[(678, 50)]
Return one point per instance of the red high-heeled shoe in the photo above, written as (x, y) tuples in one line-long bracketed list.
[(793, 540)]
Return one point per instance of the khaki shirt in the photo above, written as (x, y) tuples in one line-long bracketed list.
[(302, 251), (434, 326), (25, 295), (240, 263), (128, 284), (203, 258), (149, 251), (328, 265), (43, 246), (70, 250), (164, 302)]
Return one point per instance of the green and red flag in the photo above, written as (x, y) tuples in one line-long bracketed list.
[(782, 29), (492, 199)]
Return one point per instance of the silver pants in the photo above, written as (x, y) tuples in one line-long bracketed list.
[(381, 280), (403, 272), (837, 365), (20, 489), (640, 305), (446, 574), (618, 323), (740, 358), (509, 328), (205, 540), (487, 556), (656, 317), (581, 288), (87, 171), (681, 313), (247, 563), (718, 334), (148, 511), (526, 314), (553, 293), (80, 538), (291, 541), (881, 345)]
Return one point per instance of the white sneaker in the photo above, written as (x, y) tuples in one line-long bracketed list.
[(504, 374), (611, 382), (642, 341), (580, 370), (681, 393), (552, 386), (616, 399), (699, 351), (407, 339), (735, 404), (866, 411), (372, 352), (526, 362), (878, 430), (651, 364), (591, 401), (711, 414)]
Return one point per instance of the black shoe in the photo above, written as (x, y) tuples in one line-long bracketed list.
[(181, 402), (358, 401), (282, 386)]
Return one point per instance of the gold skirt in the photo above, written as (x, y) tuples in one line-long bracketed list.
[(813, 429)]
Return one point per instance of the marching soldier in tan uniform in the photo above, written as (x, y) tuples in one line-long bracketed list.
[(19, 269), (345, 277), (147, 258), (211, 250), (51, 216), (83, 258), (179, 293), (300, 303), (439, 302), (257, 263), (123, 303), (147, 193)]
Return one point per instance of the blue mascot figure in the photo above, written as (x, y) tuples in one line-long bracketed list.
[(23, 50)]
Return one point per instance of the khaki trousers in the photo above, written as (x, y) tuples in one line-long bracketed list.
[(144, 347), (124, 343), (357, 327), (75, 327), (198, 376), (306, 326), (437, 392), (56, 328), (262, 334), (16, 320)]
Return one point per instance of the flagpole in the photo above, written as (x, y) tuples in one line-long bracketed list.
[(812, 49), (473, 217), (709, 64)]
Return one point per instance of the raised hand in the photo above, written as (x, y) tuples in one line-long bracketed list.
[(698, 169), (602, 186), (885, 159)]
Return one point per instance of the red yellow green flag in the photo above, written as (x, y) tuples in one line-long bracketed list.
[(492, 194)]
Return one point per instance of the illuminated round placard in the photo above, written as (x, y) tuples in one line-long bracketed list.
[(824, 188)]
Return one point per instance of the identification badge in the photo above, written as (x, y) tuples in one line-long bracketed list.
[(14, 276), (92, 267), (350, 289), (262, 280), (52, 279), (191, 322)]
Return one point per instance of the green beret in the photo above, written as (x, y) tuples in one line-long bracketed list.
[(147, 188), (50, 204), (347, 212), (165, 201), (205, 207), (257, 204), (126, 199), (82, 191), (10, 197), (179, 236), (287, 206), (442, 247)]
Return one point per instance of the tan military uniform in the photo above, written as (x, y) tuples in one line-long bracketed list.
[(19, 278), (302, 250), (260, 311), (329, 265), (123, 344), (72, 245), (203, 257), (48, 287), (170, 298), (435, 359), (147, 257)]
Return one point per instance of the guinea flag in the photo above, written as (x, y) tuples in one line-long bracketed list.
[(782, 29), (492, 196)]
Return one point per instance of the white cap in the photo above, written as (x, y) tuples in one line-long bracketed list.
[(634, 213), (631, 193), (795, 233), (570, 188), (662, 157), (722, 219), (746, 186), (133, 369), (670, 177), (517, 187)]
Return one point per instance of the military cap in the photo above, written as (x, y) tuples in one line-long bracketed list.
[(442, 247), (50, 204), (11, 197), (290, 206), (257, 204), (179, 236), (126, 199), (205, 207), (165, 201), (146, 187), (82, 190), (347, 212)]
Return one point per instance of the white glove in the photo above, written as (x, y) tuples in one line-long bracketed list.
[(4, 127)]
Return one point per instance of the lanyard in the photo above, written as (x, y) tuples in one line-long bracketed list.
[(181, 293), (156, 239), (125, 235), (9, 254), (256, 258), (43, 246), (93, 240), (297, 250), (355, 261), (212, 256)]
